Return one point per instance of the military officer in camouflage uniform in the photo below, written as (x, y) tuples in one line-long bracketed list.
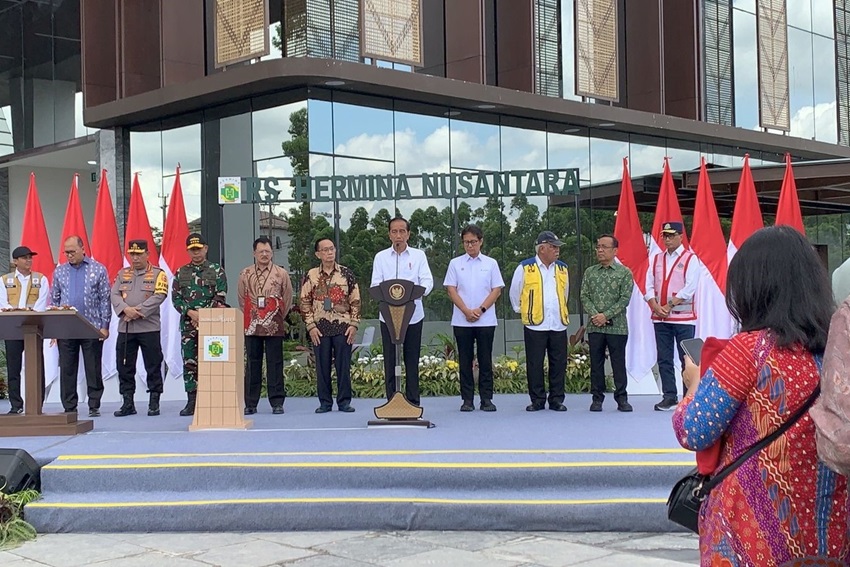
[(198, 284), (137, 293)]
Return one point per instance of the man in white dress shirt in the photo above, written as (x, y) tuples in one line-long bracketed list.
[(400, 261), (540, 289), (22, 289), (671, 283), (474, 283)]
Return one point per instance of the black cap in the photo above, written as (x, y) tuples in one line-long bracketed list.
[(137, 246), (22, 251), (548, 237), (195, 240), (672, 228)]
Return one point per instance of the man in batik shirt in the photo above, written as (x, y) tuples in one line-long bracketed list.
[(265, 296)]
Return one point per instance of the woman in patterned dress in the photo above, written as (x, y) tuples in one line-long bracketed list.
[(782, 503)]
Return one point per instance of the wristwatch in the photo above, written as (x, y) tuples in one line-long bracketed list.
[(483, 309)]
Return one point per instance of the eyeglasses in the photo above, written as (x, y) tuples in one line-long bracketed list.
[(603, 247), (665, 236), (470, 242), (70, 252), (327, 249)]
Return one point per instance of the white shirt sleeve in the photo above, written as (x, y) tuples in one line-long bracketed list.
[(451, 274), (650, 279), (4, 296), (691, 280), (426, 280), (43, 295), (496, 276), (516, 287), (377, 276)]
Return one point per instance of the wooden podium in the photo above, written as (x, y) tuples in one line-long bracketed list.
[(33, 326), (221, 371)]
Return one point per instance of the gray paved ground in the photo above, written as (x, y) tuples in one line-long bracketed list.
[(355, 549)]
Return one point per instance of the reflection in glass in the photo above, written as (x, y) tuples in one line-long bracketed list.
[(183, 146), (320, 113), (270, 127), (799, 14), (568, 50), (362, 131), (474, 145), (522, 149), (606, 160), (800, 82), (826, 112), (823, 18), (422, 143), (146, 160), (746, 69)]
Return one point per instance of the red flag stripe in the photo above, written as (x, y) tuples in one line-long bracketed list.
[(667, 209), (34, 233), (788, 210), (708, 243), (74, 224), (746, 219), (138, 227), (106, 247), (632, 251), (176, 229)]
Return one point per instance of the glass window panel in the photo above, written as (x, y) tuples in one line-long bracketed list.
[(320, 113), (190, 183), (823, 17), (363, 132), (422, 143), (800, 82), (565, 151), (746, 5), (474, 145), (270, 128), (568, 50), (183, 146), (523, 149), (746, 69), (606, 160), (799, 14), (146, 160), (826, 112), (646, 155)]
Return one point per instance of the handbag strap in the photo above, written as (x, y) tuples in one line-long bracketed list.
[(764, 442)]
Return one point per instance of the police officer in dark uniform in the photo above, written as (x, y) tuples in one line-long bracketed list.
[(198, 284), (137, 293)]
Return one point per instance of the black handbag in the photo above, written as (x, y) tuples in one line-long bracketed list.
[(691, 490)]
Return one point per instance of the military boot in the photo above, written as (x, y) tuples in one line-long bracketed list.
[(127, 408), (153, 405), (190, 405)]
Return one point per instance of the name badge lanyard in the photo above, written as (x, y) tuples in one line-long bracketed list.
[(261, 286)]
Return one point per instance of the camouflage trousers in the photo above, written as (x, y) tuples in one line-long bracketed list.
[(189, 347)]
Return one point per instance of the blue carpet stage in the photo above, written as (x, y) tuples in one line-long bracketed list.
[(509, 470)]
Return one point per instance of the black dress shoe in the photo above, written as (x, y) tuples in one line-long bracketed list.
[(14, 411), (487, 405), (94, 412), (624, 406), (596, 406), (467, 406), (250, 411), (324, 409), (71, 410), (557, 406), (534, 407), (277, 410), (346, 408), (124, 411)]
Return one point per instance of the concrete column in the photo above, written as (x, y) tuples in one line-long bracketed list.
[(112, 148)]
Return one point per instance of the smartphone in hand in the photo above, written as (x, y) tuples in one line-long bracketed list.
[(693, 348)]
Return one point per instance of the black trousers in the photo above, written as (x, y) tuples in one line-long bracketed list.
[(466, 338), (126, 353), (616, 345), (539, 344), (273, 348), (337, 352), (14, 364), (69, 363), (410, 353)]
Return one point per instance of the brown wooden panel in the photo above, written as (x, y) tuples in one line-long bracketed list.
[(515, 44), (433, 38), (98, 23), (464, 40), (681, 60), (140, 47), (182, 41), (642, 55)]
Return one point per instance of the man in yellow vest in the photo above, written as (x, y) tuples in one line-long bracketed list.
[(22, 289), (539, 291)]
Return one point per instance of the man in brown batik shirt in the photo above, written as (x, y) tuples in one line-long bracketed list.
[(265, 296), (330, 304)]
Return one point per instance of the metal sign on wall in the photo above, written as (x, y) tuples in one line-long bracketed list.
[(241, 30), (391, 30), (772, 32)]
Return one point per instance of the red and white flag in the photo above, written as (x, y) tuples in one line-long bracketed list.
[(106, 249), (75, 224), (34, 236), (746, 218), (632, 253), (666, 210), (788, 211), (710, 247), (174, 255)]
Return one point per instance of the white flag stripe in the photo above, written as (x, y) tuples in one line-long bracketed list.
[(640, 348), (713, 318)]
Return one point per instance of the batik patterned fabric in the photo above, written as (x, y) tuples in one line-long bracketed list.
[(781, 503), (330, 300)]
